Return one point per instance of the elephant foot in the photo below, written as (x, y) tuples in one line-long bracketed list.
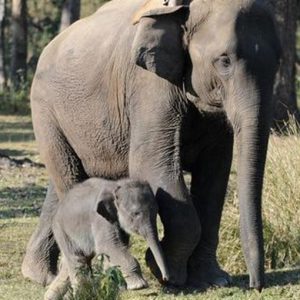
[(37, 271), (135, 282), (57, 295), (177, 271), (40, 261), (205, 274), (52, 295), (39, 268)]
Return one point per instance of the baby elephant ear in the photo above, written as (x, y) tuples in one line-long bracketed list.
[(106, 207)]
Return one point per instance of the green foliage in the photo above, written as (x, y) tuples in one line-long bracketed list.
[(102, 285), (15, 101)]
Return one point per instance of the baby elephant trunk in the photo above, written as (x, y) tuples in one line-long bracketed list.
[(154, 245)]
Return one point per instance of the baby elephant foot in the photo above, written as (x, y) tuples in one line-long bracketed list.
[(135, 282), (53, 295), (205, 274)]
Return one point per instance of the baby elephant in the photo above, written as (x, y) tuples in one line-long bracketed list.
[(91, 220)]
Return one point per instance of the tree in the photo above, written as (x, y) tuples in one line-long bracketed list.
[(70, 13), (19, 43), (285, 87), (2, 46)]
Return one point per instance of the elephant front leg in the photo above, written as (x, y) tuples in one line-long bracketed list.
[(157, 160), (156, 128), (60, 285), (210, 176), (181, 232), (119, 255)]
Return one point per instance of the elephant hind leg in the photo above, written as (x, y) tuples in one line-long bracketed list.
[(40, 261), (65, 169), (62, 163)]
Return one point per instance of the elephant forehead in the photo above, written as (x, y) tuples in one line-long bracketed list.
[(216, 34), (213, 25), (217, 12), (130, 207), (239, 4)]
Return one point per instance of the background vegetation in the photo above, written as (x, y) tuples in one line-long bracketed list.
[(23, 187)]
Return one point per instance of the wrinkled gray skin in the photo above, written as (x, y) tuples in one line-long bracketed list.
[(93, 219), (168, 93)]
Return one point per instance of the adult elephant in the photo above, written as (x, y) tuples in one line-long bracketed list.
[(149, 89)]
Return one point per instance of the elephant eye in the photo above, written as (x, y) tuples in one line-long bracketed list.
[(223, 64), (136, 214), (226, 61)]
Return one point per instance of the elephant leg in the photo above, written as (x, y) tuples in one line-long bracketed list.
[(155, 157), (181, 233), (65, 169), (59, 287), (208, 188), (79, 271), (40, 261), (119, 255)]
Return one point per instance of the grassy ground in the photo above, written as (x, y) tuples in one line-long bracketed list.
[(22, 191)]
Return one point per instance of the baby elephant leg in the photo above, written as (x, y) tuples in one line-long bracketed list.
[(135, 279), (120, 256), (59, 287), (79, 270)]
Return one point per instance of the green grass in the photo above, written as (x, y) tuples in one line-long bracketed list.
[(22, 191)]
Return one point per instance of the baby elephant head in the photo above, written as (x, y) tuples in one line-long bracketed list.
[(133, 206)]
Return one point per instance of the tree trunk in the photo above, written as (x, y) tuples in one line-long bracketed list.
[(70, 13), (2, 46), (285, 87), (19, 43)]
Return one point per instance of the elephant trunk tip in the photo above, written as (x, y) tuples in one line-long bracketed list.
[(258, 288), (165, 277), (259, 285)]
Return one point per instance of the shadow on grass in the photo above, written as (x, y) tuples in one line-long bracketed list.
[(21, 202), (16, 137), (16, 131), (13, 213), (14, 152), (274, 278)]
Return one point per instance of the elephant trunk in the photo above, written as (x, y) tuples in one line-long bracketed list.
[(252, 149), (154, 245)]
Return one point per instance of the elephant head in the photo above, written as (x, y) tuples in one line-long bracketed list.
[(133, 205), (224, 56)]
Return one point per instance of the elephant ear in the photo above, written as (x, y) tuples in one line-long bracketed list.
[(158, 44), (106, 207)]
